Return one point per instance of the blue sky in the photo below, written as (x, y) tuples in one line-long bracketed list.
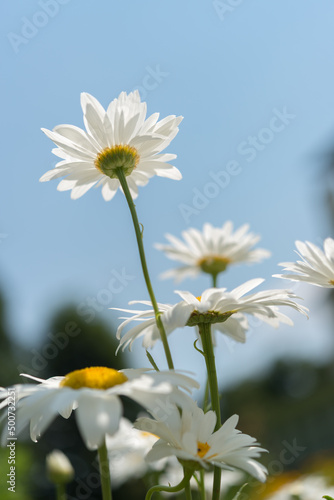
[(254, 83)]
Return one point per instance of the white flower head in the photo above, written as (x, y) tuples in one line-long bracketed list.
[(309, 487), (224, 310), (191, 438), (211, 250), (120, 137), (94, 393), (127, 449), (316, 266)]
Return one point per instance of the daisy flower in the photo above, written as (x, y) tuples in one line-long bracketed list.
[(317, 266), (191, 437), (94, 393), (127, 449), (305, 488), (224, 310), (211, 250), (120, 137)]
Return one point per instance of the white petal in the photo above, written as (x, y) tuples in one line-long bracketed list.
[(97, 415)]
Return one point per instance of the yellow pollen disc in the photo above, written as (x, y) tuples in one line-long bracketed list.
[(95, 377), (202, 449), (199, 298), (120, 156), (213, 264), (331, 282)]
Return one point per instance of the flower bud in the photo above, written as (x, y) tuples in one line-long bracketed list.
[(58, 467)]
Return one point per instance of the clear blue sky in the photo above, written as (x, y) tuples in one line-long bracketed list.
[(254, 83)]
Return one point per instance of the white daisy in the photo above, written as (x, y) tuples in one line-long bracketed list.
[(211, 250), (317, 266), (119, 137), (191, 437), (225, 310), (304, 488), (94, 395), (127, 449)]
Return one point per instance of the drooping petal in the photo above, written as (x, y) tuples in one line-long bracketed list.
[(97, 415)]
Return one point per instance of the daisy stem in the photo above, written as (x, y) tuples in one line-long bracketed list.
[(206, 396), (187, 488), (122, 179), (61, 491), (202, 485), (205, 332), (104, 472)]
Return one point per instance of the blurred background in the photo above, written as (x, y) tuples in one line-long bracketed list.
[(230, 68)]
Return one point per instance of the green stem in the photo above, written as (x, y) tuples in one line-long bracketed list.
[(61, 491), (187, 488), (104, 472), (171, 489), (202, 485), (206, 396), (205, 332), (122, 179)]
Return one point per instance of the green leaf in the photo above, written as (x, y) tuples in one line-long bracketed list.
[(197, 349), (151, 360), (327, 497)]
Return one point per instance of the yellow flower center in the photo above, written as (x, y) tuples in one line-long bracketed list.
[(121, 156), (331, 282), (94, 377), (202, 449), (199, 298), (213, 264)]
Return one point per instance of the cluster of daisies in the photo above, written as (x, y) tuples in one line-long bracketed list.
[(123, 143)]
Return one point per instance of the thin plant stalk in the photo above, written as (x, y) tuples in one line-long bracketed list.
[(205, 332), (202, 485), (104, 472), (187, 490), (206, 394), (122, 179), (61, 491)]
